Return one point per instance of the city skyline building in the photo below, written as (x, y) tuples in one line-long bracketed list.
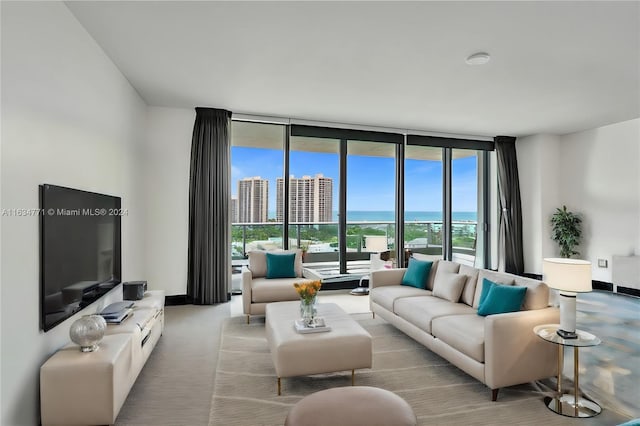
[(310, 199), (234, 210), (253, 200)]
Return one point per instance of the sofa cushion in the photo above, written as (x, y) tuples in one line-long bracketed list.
[(537, 296), (464, 333), (449, 286), (258, 262), (281, 265), (487, 285), (434, 267), (273, 290), (501, 299), (470, 286), (420, 311), (417, 273), (496, 277), (387, 295), (444, 267)]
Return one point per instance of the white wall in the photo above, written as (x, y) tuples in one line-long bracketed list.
[(167, 153), (538, 163), (599, 178), (594, 173), (69, 118)]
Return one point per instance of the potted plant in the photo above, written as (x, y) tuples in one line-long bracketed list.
[(566, 231)]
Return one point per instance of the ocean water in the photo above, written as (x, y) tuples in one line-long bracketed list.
[(371, 216), (389, 216)]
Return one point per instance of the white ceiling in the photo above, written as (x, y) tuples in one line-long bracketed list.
[(556, 67)]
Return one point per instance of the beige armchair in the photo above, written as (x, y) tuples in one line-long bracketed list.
[(258, 290)]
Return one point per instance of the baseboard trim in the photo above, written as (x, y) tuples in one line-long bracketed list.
[(177, 300), (183, 299), (629, 291), (601, 285)]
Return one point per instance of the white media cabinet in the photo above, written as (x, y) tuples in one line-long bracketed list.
[(89, 388)]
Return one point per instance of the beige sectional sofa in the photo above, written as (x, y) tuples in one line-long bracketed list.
[(258, 290), (498, 350)]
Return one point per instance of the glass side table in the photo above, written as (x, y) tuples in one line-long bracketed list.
[(569, 405)]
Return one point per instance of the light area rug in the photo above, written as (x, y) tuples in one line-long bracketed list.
[(245, 390)]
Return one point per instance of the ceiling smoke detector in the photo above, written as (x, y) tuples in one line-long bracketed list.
[(479, 58)]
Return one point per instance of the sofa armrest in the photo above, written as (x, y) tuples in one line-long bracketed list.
[(385, 277), (513, 352), (247, 278)]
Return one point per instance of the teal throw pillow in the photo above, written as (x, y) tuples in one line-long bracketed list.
[(634, 422), (281, 265), (502, 299), (486, 286), (417, 273)]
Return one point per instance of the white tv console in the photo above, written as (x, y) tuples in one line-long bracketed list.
[(89, 388)]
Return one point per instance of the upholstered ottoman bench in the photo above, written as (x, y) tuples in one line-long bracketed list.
[(346, 347), (352, 406)]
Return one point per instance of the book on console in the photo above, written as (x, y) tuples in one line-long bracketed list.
[(116, 308), (118, 317)]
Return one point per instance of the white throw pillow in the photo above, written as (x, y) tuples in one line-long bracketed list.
[(469, 291), (443, 267), (449, 286)]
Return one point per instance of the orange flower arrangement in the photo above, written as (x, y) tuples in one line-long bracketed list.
[(308, 290)]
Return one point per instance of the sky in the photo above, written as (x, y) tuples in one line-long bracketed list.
[(370, 180)]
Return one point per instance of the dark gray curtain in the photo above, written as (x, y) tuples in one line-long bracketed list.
[(510, 206), (209, 264)]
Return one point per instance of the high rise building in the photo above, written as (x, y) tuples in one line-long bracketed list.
[(310, 199), (253, 200), (235, 218)]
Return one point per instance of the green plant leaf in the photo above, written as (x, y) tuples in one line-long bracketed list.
[(566, 231)]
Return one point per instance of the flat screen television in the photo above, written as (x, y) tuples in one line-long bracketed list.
[(80, 258)]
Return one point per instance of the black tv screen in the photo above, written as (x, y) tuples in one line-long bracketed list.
[(80, 257)]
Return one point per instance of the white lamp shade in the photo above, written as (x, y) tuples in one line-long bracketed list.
[(570, 275), (376, 243)]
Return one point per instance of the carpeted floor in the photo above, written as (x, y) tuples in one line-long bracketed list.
[(440, 394), (174, 388)]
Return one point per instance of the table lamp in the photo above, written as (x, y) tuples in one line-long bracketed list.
[(569, 276), (374, 244)]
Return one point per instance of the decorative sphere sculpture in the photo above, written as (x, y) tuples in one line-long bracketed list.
[(88, 332)]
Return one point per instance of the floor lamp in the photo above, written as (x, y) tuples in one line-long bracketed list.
[(569, 276)]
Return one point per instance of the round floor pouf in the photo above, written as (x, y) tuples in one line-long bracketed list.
[(351, 406)]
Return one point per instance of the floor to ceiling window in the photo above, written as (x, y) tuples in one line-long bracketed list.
[(340, 194), (449, 176), (423, 217), (256, 164), (464, 204), (371, 200), (313, 200)]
